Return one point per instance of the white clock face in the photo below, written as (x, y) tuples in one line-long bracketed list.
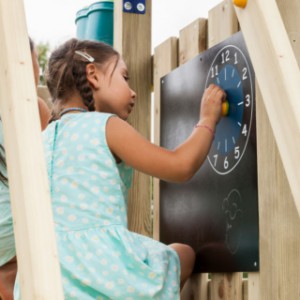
[(231, 71)]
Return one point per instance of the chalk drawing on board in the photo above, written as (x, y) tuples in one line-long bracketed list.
[(232, 209)]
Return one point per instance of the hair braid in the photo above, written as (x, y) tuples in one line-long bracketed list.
[(66, 72), (82, 85)]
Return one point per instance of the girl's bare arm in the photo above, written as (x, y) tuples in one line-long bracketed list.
[(176, 165)]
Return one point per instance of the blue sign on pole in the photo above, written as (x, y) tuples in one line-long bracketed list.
[(134, 6)]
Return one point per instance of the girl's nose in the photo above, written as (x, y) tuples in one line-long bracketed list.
[(133, 94)]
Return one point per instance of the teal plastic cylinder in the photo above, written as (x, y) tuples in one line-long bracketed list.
[(100, 22), (81, 23)]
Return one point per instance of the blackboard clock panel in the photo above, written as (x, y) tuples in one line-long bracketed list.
[(216, 212)]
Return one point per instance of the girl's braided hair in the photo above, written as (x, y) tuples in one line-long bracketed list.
[(66, 72)]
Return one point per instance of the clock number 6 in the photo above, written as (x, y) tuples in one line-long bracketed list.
[(226, 163)]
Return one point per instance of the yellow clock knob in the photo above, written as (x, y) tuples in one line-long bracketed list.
[(225, 108), (240, 3)]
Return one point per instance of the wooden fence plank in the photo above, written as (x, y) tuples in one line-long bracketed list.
[(251, 287), (192, 40), (132, 38), (165, 60), (38, 265), (227, 286), (289, 11), (279, 222), (222, 23)]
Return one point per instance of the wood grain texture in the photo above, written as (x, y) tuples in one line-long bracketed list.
[(222, 23), (192, 40), (165, 60), (38, 266), (289, 10), (278, 76), (132, 38), (278, 216), (227, 286)]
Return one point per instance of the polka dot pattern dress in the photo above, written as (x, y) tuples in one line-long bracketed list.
[(100, 258)]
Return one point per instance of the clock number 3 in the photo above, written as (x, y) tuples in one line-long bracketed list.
[(231, 70)]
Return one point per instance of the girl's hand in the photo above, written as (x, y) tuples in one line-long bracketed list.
[(177, 165), (211, 104)]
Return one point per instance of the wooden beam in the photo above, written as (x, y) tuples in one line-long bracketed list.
[(165, 60), (222, 23), (38, 265), (132, 38), (289, 10), (192, 40), (279, 223), (278, 219), (278, 76)]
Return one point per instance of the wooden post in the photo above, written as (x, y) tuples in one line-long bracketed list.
[(132, 38), (271, 53), (192, 41), (289, 11), (38, 265), (222, 23), (278, 77), (165, 60)]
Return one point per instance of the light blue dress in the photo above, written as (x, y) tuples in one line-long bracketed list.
[(7, 239), (100, 258)]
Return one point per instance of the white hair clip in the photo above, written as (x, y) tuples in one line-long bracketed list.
[(85, 55)]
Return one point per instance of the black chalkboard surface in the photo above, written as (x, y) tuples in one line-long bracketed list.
[(216, 212)]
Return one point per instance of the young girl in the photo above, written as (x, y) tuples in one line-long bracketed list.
[(90, 150), (8, 261)]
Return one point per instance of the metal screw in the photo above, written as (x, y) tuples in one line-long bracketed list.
[(128, 5), (140, 7)]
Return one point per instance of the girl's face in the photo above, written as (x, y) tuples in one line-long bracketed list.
[(112, 93)]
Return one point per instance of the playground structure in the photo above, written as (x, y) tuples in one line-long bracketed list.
[(271, 31)]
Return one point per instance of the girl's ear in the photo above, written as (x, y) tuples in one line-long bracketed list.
[(92, 75)]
